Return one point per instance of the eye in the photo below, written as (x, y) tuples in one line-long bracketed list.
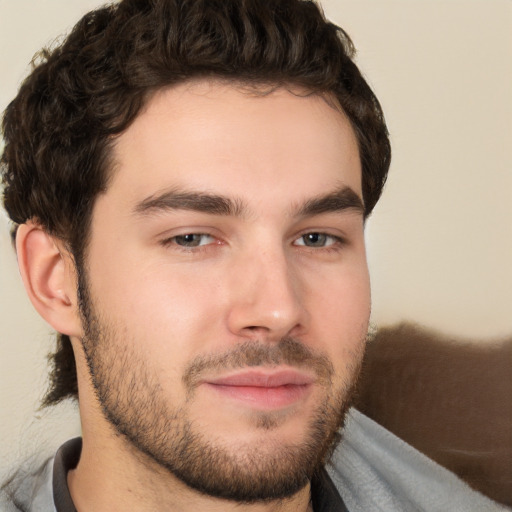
[(316, 240), (191, 240)]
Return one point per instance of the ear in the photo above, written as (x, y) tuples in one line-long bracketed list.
[(49, 276)]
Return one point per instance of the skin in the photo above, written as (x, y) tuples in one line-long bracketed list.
[(255, 277)]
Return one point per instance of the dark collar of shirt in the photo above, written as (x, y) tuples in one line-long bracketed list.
[(324, 495)]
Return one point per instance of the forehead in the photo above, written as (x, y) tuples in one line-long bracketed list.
[(220, 137)]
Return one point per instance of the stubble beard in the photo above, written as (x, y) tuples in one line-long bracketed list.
[(135, 404)]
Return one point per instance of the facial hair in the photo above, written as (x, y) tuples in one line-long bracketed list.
[(134, 402)]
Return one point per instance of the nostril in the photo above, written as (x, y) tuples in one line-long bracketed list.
[(256, 328)]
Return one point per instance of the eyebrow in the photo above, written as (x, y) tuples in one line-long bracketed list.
[(194, 201), (344, 198)]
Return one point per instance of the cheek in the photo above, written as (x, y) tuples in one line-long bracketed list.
[(176, 312), (163, 319), (340, 311)]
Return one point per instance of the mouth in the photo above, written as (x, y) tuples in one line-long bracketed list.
[(264, 389)]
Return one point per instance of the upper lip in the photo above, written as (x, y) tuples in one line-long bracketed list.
[(264, 378)]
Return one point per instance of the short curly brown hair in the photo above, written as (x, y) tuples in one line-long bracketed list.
[(59, 129)]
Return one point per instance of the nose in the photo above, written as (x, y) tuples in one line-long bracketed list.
[(267, 302)]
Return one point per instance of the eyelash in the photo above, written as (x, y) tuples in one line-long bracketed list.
[(337, 242), (171, 241)]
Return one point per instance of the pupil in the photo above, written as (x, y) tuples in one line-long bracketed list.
[(315, 238), (190, 240)]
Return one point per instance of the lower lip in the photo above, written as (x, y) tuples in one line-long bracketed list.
[(265, 398)]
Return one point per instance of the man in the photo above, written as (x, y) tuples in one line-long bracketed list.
[(188, 183)]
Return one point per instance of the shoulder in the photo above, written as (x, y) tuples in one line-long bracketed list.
[(29, 491), (375, 470)]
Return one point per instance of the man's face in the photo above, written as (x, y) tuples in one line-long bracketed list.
[(226, 298)]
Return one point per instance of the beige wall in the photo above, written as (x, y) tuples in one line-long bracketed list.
[(440, 242)]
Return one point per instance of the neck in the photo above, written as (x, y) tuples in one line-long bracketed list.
[(110, 479), (112, 475)]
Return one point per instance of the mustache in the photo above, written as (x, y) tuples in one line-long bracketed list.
[(255, 353)]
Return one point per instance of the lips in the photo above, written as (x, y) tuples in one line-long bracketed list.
[(263, 389), (264, 379)]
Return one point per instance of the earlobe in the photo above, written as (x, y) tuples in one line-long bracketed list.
[(47, 271)]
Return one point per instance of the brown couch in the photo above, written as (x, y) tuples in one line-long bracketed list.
[(451, 399)]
